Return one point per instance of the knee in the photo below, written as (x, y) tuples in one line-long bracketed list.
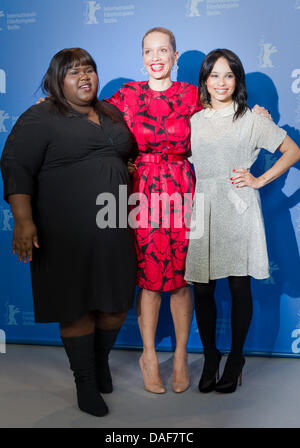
[(181, 296), (84, 325), (181, 292), (110, 321), (152, 297)]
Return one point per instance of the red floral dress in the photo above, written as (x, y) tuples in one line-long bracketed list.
[(160, 124)]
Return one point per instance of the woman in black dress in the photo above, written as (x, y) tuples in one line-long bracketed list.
[(60, 156)]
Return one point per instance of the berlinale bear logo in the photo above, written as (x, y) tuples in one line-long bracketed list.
[(3, 116), (267, 49), (90, 12), (193, 8)]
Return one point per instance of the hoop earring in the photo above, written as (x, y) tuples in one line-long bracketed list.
[(175, 67), (143, 71)]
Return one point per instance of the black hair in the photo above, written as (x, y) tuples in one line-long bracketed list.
[(240, 93), (52, 82)]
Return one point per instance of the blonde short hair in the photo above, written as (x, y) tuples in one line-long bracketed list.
[(160, 29)]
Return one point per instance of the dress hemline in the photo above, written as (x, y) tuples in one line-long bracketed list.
[(256, 277)]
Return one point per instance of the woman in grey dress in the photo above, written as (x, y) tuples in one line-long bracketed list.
[(226, 137)]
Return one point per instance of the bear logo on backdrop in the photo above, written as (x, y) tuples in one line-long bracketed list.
[(193, 8), (266, 50), (11, 312), (6, 222), (3, 116), (90, 12)]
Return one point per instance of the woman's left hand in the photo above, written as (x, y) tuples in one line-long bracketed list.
[(262, 111), (243, 178)]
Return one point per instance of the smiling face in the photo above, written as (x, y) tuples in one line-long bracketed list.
[(159, 56), (80, 86), (221, 84)]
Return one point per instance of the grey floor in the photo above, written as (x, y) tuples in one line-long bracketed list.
[(36, 391)]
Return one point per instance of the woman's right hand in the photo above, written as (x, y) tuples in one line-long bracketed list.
[(131, 166), (24, 237)]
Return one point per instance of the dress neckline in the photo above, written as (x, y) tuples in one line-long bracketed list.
[(156, 93), (226, 112)]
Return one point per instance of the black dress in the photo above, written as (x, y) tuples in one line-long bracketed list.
[(64, 163)]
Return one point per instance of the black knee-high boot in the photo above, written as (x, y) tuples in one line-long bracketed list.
[(104, 341), (81, 353)]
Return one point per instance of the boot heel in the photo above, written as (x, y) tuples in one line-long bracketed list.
[(232, 375)]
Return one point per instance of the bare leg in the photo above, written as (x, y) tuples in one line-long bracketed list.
[(148, 306), (182, 312)]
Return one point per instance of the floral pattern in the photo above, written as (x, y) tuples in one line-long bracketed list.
[(160, 124)]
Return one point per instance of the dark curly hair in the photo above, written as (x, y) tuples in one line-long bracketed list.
[(240, 93)]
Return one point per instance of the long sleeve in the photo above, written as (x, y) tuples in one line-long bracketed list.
[(24, 153)]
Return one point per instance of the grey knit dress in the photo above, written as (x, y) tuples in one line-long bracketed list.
[(230, 220)]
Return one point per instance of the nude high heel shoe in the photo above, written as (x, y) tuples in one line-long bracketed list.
[(181, 386), (154, 388)]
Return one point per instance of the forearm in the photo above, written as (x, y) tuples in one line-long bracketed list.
[(290, 156), (21, 208)]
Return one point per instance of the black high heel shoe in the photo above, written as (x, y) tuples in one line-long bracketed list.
[(232, 375), (210, 373)]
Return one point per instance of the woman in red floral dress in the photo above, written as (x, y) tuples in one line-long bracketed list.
[(157, 112)]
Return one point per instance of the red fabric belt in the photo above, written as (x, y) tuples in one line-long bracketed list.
[(158, 158)]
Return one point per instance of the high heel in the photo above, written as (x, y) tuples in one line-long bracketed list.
[(210, 373), (181, 386), (232, 375), (154, 388)]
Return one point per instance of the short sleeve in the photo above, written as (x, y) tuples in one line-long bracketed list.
[(267, 134), (24, 153)]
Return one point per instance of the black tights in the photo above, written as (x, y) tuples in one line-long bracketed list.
[(90, 321), (241, 313)]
